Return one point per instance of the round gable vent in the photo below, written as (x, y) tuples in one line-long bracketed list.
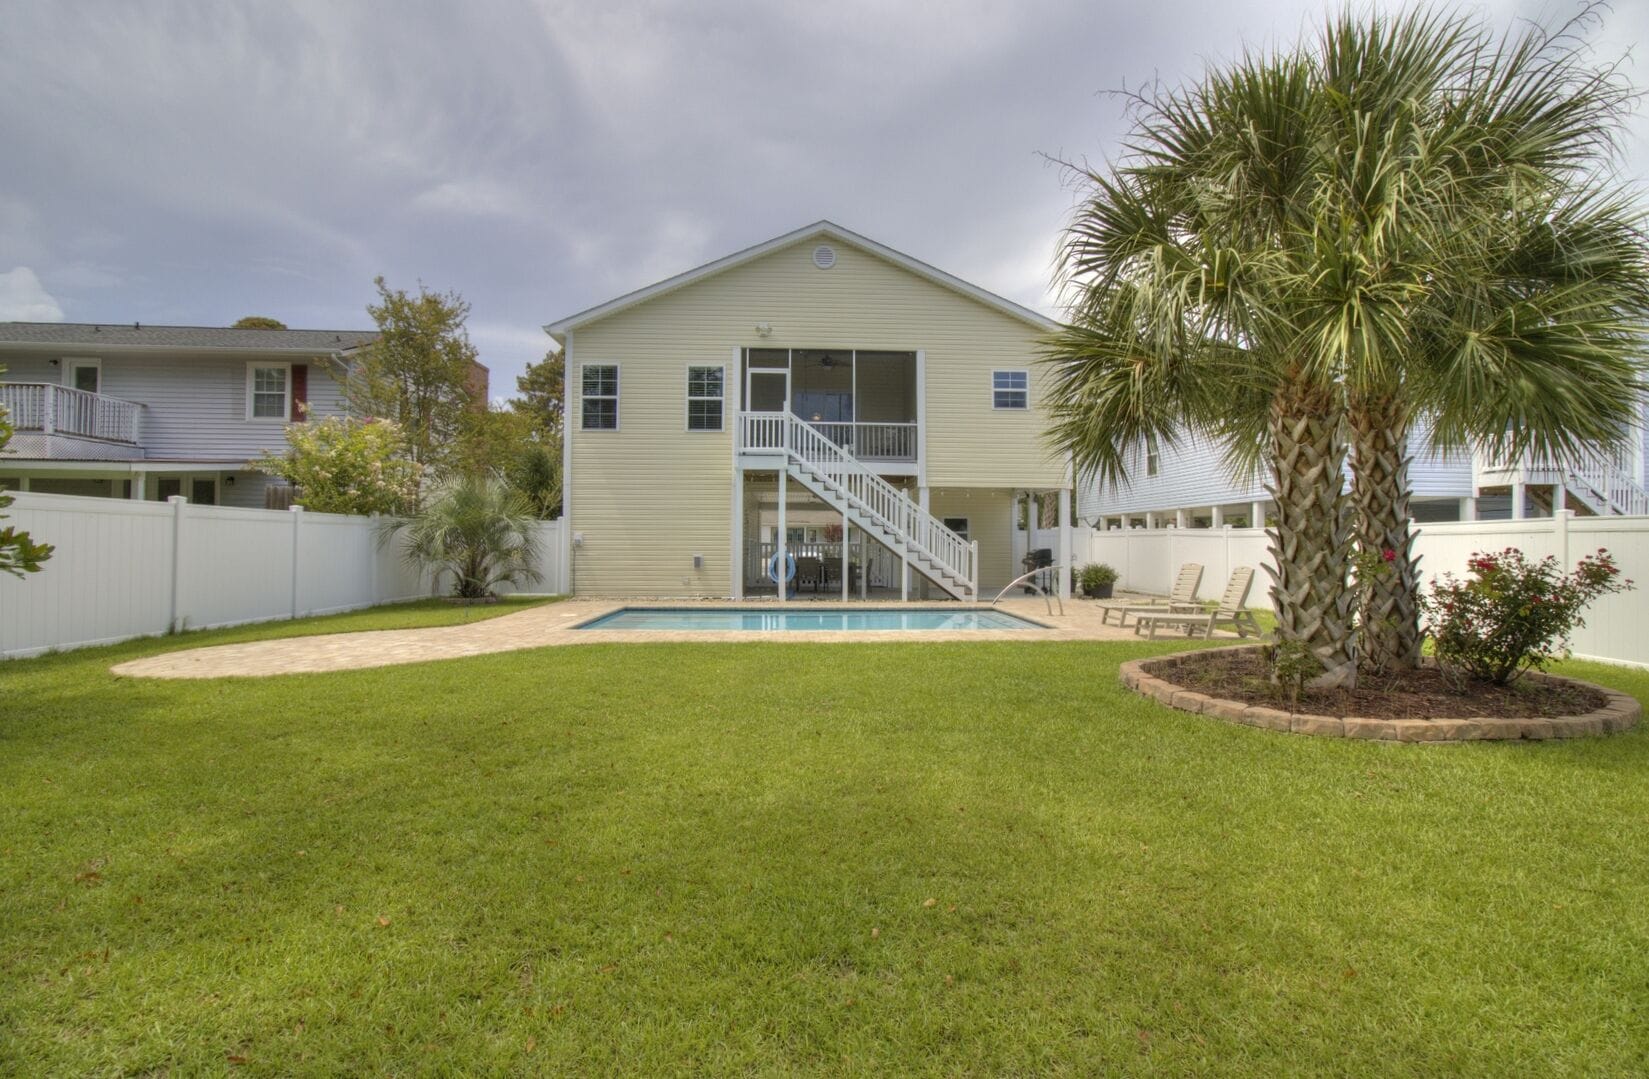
[(824, 256)]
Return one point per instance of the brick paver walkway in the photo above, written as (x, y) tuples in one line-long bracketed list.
[(551, 625)]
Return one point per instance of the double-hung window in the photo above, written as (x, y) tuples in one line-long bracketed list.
[(268, 391), (704, 398), (1153, 455), (1010, 389), (600, 396)]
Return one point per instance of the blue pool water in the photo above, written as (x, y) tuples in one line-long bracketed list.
[(803, 621)]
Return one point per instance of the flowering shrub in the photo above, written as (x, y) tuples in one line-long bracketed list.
[(1513, 614), (342, 465)]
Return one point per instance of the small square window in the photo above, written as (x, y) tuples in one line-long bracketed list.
[(704, 398), (1010, 389), (600, 403), (268, 399), (959, 525)]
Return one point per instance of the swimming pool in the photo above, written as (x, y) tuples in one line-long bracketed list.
[(804, 621)]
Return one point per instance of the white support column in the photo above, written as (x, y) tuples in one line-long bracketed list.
[(904, 553), (737, 567), (1560, 533), (1468, 509), (922, 501), (1150, 519), (23, 484), (1182, 518), (847, 538), (1256, 515), (1218, 516), (781, 550), (864, 566), (1560, 499), (1065, 544), (1519, 501)]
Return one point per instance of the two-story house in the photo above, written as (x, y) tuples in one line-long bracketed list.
[(147, 412), (818, 405)]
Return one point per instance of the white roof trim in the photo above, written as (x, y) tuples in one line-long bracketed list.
[(939, 277)]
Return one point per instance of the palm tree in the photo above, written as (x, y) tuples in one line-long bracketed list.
[(1377, 229), (1481, 282), (477, 529), (1182, 271)]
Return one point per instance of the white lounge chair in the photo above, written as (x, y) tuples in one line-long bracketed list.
[(1183, 595), (1232, 608)]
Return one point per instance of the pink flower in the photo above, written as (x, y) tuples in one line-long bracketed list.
[(1389, 555)]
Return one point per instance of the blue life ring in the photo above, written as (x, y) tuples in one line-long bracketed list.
[(773, 567)]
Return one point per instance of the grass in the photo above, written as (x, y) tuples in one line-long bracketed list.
[(945, 858)]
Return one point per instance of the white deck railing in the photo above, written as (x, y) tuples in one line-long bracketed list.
[(869, 494), (1604, 481), (62, 410), (872, 441)]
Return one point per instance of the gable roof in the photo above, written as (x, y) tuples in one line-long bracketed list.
[(95, 335), (818, 229)]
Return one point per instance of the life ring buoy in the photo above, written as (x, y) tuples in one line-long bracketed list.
[(789, 565)]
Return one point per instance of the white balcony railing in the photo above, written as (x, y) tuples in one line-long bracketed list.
[(872, 441), (62, 410)]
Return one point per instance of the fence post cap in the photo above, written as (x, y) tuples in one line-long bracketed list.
[(177, 500)]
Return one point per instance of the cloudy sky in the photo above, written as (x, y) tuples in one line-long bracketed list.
[(193, 162)]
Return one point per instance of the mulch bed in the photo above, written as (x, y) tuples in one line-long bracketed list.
[(1429, 693)]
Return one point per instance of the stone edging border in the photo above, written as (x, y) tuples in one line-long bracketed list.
[(1619, 713)]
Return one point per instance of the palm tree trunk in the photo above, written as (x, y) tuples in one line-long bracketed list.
[(1388, 573), (1311, 545)]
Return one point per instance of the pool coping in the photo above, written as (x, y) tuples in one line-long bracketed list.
[(806, 606)]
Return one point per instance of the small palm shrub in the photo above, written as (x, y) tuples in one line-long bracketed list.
[(477, 529), (1513, 614)]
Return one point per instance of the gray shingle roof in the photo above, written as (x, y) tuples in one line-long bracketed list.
[(131, 335)]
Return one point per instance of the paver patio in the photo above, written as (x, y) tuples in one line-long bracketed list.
[(552, 624)]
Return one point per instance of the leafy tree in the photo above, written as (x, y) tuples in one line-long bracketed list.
[(478, 530), (536, 474), (418, 372), (19, 554), (258, 322), (543, 391), (341, 465)]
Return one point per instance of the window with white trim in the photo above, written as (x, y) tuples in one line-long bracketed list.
[(705, 389), (600, 396), (1153, 455), (268, 391), (959, 525), (1010, 389)]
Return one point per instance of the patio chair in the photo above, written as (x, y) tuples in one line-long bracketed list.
[(1232, 608), (1184, 595), (810, 571)]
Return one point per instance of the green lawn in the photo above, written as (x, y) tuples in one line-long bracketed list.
[(947, 858)]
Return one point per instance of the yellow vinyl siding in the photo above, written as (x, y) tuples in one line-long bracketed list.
[(650, 495), (990, 522)]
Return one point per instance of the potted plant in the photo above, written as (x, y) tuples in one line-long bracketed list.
[(1097, 580)]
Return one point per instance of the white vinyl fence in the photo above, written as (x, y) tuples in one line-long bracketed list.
[(129, 569), (1616, 630)]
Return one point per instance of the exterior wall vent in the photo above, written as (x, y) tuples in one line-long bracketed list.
[(824, 256)]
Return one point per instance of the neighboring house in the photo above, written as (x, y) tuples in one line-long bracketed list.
[(748, 409), (1191, 486), (147, 412)]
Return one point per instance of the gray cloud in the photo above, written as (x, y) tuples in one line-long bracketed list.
[(199, 160)]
